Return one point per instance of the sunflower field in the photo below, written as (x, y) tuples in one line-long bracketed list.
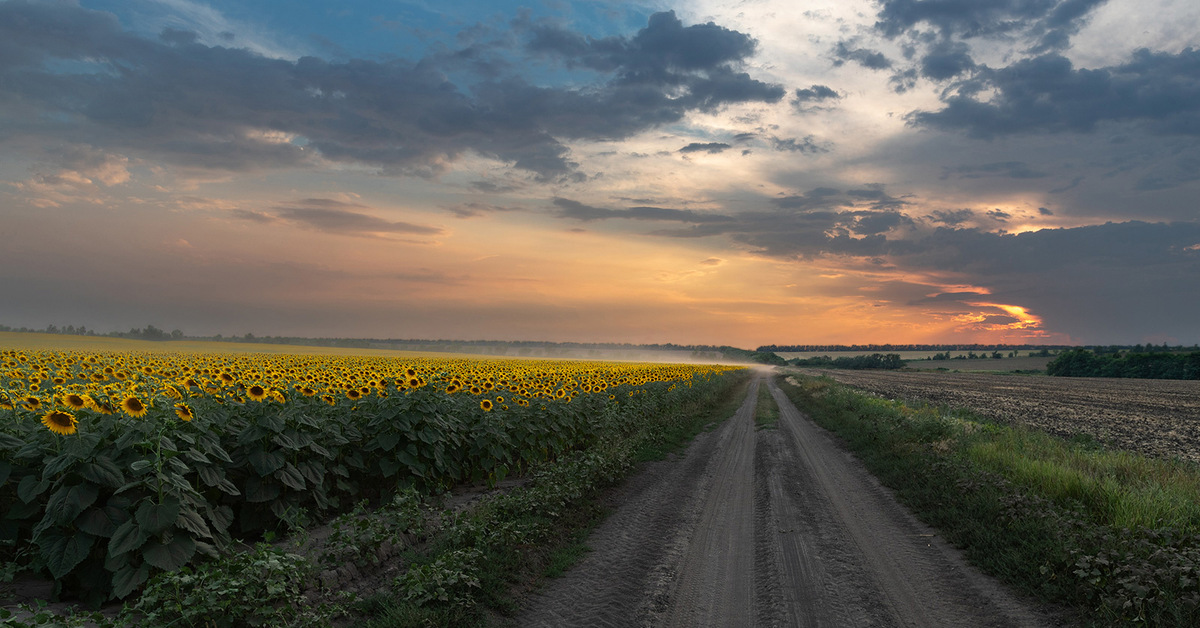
[(118, 465)]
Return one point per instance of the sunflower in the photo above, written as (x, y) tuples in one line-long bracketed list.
[(278, 396), (329, 399), (75, 401), (307, 392), (5, 402), (60, 422), (486, 404), (184, 412), (257, 393), (31, 403), (103, 407), (353, 394), (134, 406)]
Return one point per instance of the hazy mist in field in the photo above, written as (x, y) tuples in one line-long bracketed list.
[(717, 172)]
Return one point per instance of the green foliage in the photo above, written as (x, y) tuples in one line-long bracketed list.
[(874, 361), (1085, 363), (27, 616), (263, 587), (359, 535), (450, 580)]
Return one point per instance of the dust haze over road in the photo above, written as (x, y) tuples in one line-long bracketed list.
[(770, 527)]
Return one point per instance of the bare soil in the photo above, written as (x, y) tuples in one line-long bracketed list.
[(1156, 417), (769, 527)]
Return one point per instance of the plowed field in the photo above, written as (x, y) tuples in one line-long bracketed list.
[(1156, 417)]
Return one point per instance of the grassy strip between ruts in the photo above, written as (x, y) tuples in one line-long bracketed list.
[(766, 412), (1109, 534), (462, 567)]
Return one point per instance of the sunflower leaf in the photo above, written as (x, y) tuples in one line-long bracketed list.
[(266, 462), (30, 487), (63, 553), (102, 470), (8, 441), (127, 537), (154, 518), (128, 579)]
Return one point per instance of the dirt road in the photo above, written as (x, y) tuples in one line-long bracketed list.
[(768, 527)]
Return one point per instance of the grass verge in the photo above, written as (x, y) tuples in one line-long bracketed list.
[(1109, 534), (766, 411)]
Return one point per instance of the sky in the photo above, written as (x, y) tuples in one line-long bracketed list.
[(708, 172)]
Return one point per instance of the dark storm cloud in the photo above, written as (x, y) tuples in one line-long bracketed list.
[(568, 208), (946, 60), (873, 223), (952, 217), (872, 59), (176, 100), (331, 216), (816, 93), (711, 148), (701, 61), (1047, 94), (1051, 21)]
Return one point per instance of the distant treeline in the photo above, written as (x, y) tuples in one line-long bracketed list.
[(150, 332), (886, 348), (873, 361), (1159, 365), (872, 348)]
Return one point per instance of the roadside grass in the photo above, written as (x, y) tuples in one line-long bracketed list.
[(766, 412), (479, 563), (1109, 534), (679, 434)]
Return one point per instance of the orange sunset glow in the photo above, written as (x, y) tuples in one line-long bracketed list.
[(695, 173)]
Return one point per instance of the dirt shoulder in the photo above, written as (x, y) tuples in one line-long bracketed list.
[(774, 527)]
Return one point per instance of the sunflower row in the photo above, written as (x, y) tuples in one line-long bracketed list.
[(115, 466)]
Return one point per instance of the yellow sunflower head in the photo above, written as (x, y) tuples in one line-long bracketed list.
[(60, 422), (75, 401), (486, 404), (257, 393), (30, 402), (329, 399), (184, 412), (134, 406), (353, 394)]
